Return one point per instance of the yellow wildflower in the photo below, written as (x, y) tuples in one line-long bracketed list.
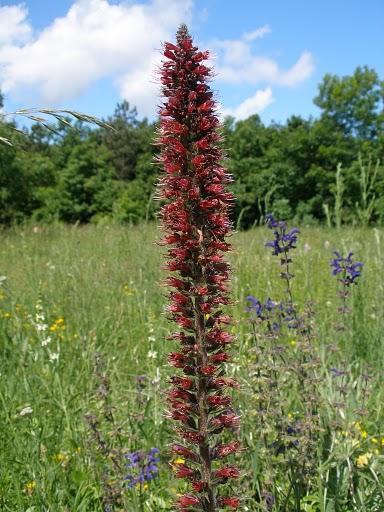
[(374, 440), (293, 343), (30, 487), (179, 460), (364, 434), (62, 459), (59, 323), (127, 290), (143, 486), (363, 460)]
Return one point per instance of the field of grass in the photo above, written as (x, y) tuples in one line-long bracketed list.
[(71, 295)]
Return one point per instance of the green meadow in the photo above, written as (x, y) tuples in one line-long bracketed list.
[(83, 335)]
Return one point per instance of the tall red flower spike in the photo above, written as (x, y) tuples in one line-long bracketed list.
[(195, 221)]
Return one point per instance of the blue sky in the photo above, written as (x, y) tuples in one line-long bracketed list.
[(269, 55)]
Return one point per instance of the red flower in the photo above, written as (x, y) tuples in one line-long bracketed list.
[(206, 307), (184, 471), (227, 472), (222, 382), (179, 449), (193, 437), (195, 219), (181, 406), (229, 420), (182, 395), (188, 500), (207, 105), (199, 486), (183, 382), (220, 357), (180, 298), (184, 322), (179, 416), (230, 502), (219, 337), (218, 400), (208, 370), (223, 450), (176, 359)]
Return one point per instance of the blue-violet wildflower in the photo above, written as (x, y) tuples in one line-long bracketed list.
[(283, 241), (142, 467), (350, 270)]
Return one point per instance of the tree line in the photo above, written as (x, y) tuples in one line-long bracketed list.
[(323, 169)]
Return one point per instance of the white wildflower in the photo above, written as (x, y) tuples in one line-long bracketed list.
[(53, 356), (41, 327), (27, 410), (157, 377), (46, 341)]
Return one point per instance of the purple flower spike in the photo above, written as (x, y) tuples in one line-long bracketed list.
[(349, 269), (283, 242), (143, 467)]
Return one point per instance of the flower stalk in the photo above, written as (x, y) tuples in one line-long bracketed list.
[(348, 272), (195, 221)]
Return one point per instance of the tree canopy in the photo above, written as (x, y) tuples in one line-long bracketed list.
[(74, 173)]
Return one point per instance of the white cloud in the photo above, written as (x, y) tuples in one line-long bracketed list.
[(95, 39), (253, 105), (120, 40), (13, 24), (257, 34), (300, 71), (236, 63)]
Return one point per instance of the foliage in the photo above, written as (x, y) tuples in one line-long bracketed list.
[(17, 181), (96, 287), (354, 104), (289, 168), (86, 186)]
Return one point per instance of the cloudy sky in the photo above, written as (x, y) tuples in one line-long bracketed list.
[(269, 55)]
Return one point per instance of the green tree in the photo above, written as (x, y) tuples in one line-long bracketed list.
[(128, 141), (86, 187), (353, 103), (248, 142), (17, 183)]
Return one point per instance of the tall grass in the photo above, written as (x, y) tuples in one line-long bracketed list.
[(98, 288)]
